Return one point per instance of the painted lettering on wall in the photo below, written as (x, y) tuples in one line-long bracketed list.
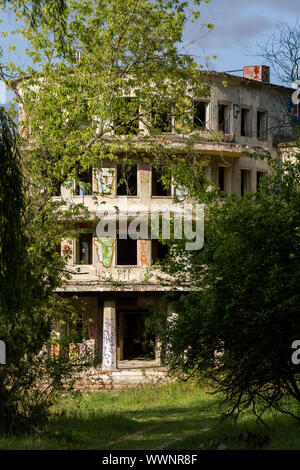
[(144, 259), (145, 176), (105, 249)]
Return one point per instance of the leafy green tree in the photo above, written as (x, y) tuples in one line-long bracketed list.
[(98, 68), (238, 325), (116, 82), (31, 269)]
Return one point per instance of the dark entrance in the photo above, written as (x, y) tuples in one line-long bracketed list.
[(132, 339)]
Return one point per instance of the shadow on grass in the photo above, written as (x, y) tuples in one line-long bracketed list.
[(170, 418)]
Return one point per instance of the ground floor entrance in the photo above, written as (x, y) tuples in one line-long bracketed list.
[(133, 340), (116, 327)]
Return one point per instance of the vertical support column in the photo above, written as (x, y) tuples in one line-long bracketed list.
[(158, 351), (109, 357), (121, 335)]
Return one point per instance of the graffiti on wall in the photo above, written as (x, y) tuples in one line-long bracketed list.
[(92, 330), (145, 176), (123, 274), (109, 343), (105, 249), (104, 180), (144, 259), (120, 274), (66, 250)]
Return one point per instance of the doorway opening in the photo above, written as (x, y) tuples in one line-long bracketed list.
[(132, 340)]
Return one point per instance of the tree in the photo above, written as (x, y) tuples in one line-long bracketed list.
[(238, 325), (77, 101), (31, 269), (118, 63), (282, 52)]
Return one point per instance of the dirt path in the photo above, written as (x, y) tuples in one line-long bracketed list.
[(130, 436), (182, 438)]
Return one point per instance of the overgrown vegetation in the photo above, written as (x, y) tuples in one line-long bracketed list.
[(238, 327), (30, 270), (173, 416)]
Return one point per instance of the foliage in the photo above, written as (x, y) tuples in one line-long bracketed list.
[(119, 63), (154, 416), (97, 68), (30, 270), (238, 326)]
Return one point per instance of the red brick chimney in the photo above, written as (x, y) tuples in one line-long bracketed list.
[(261, 73)]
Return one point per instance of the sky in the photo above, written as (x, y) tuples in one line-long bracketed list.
[(238, 26)]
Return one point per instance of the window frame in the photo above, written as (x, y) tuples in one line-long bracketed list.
[(77, 250), (249, 172), (249, 128), (227, 122), (134, 164), (263, 132)]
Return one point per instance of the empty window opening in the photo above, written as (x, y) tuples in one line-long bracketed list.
[(85, 249), (221, 177), (126, 252), (224, 118), (245, 181), (159, 251), (126, 180), (85, 187), (245, 122), (158, 187), (200, 113), (259, 175), (261, 125), (127, 121)]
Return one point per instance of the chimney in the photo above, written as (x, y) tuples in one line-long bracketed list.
[(261, 73)]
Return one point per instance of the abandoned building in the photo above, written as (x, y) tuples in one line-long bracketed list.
[(115, 278)]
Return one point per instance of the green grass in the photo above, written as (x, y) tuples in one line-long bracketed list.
[(172, 416)]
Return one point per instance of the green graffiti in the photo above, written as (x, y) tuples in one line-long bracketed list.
[(105, 250)]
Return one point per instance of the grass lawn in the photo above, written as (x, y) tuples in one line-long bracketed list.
[(172, 416)]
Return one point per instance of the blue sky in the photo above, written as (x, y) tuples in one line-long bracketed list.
[(238, 26)]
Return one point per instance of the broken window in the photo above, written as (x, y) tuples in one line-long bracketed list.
[(245, 122), (245, 181), (200, 113), (261, 125), (126, 180), (84, 253), (259, 175), (159, 251), (221, 177), (127, 121), (85, 187), (126, 252), (158, 188), (224, 118)]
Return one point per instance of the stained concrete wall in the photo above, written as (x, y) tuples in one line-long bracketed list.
[(232, 153)]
